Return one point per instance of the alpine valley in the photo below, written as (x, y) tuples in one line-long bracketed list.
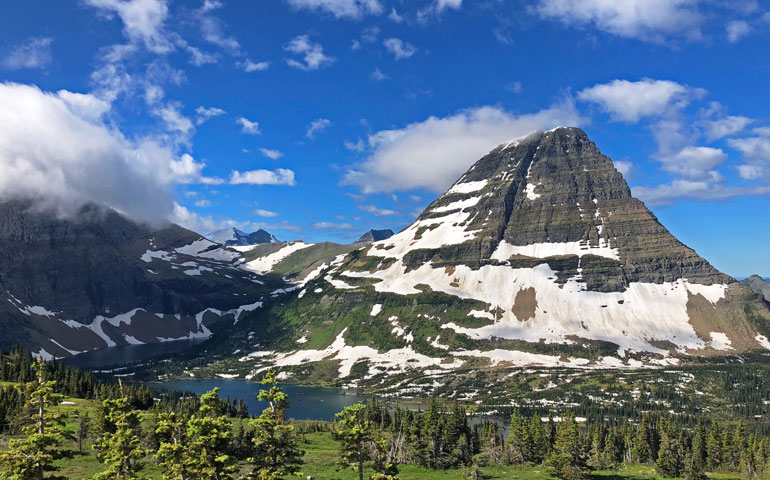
[(537, 257)]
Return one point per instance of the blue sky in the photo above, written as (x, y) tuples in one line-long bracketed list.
[(321, 119)]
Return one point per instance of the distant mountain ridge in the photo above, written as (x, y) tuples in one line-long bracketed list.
[(98, 279), (233, 236), (758, 285), (375, 236)]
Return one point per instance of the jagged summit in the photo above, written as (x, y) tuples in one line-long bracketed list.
[(375, 236), (553, 194), (234, 236)]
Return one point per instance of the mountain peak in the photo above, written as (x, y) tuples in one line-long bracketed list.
[(375, 236), (234, 236)]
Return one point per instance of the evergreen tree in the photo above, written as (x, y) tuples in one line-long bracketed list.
[(356, 435), (670, 460), (84, 426), (538, 443), (714, 447), (567, 461), (645, 442), (30, 457), (209, 434), (172, 452), (515, 445), (275, 442), (119, 447)]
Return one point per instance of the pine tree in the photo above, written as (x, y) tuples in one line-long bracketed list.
[(515, 445), (120, 447), (645, 442), (537, 439), (714, 447), (84, 425), (670, 460), (355, 434), (172, 452), (209, 434), (567, 461), (30, 457), (275, 442)]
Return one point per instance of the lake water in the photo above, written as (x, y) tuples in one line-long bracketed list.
[(105, 358), (307, 403)]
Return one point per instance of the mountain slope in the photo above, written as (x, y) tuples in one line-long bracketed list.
[(537, 255), (99, 279)]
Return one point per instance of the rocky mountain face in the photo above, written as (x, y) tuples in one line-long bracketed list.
[(375, 236), (758, 285), (69, 285), (233, 236), (537, 255)]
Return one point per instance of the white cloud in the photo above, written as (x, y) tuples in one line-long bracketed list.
[(212, 28), (271, 154), (753, 172), (317, 126), (436, 8), (84, 106), (313, 56), (280, 176), (725, 126), (249, 127), (186, 169), (358, 146), (143, 21), (34, 53), (694, 162), (202, 203), (378, 75), (648, 20), (631, 101), (395, 17), (377, 211), (433, 153), (174, 119), (624, 167), (399, 48), (694, 190), (56, 149), (203, 114), (737, 29), (198, 58), (249, 66), (756, 154), (353, 9), (265, 213)]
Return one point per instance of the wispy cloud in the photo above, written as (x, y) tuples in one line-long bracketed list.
[(399, 48), (34, 53), (312, 54), (249, 127), (317, 126)]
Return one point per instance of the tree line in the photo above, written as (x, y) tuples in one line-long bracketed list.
[(207, 437)]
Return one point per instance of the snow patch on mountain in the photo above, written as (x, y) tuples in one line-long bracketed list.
[(505, 250), (265, 264), (467, 187), (630, 319)]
